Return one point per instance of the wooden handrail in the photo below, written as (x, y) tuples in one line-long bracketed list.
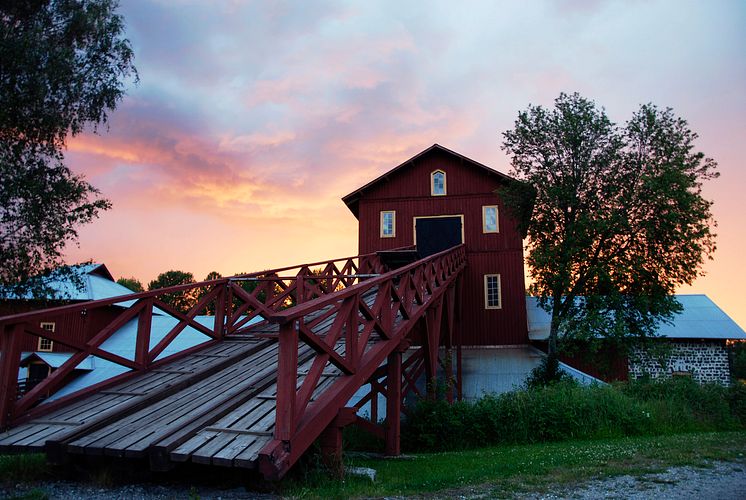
[(312, 305)]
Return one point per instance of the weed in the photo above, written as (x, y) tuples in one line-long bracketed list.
[(23, 467)]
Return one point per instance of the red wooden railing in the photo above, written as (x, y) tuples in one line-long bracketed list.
[(235, 306), (384, 309)]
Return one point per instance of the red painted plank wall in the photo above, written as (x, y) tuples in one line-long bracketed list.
[(73, 326), (468, 188)]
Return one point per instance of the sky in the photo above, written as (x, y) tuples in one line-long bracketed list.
[(252, 119)]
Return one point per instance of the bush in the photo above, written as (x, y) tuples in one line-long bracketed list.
[(548, 372), (682, 404), (564, 411)]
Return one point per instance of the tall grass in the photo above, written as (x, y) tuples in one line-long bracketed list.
[(567, 411)]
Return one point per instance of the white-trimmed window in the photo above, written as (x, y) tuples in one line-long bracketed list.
[(438, 183), (45, 345), (492, 292), (490, 223), (388, 224)]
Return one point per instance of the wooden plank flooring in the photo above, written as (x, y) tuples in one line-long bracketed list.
[(215, 406)]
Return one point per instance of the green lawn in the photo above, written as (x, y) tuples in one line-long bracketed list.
[(501, 470), (495, 472)]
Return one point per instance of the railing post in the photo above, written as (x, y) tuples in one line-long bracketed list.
[(351, 332), (393, 403), (10, 359), (287, 380), (142, 347), (220, 305), (300, 288)]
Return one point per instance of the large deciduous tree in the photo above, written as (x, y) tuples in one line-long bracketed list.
[(183, 300), (63, 67), (132, 283), (614, 216)]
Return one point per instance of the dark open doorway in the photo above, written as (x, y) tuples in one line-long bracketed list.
[(435, 234)]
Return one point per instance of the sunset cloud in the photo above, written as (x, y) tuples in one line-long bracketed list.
[(251, 119)]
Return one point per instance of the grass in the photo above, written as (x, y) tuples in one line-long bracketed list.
[(495, 472), (23, 468), (499, 471), (524, 440)]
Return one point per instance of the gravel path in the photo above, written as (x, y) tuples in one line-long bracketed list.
[(723, 481), (720, 481)]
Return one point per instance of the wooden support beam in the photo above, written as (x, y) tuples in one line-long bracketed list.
[(393, 405), (287, 380), (142, 342), (10, 358)]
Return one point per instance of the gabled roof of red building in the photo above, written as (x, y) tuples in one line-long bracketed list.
[(351, 200)]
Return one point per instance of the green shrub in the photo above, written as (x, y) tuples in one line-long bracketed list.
[(737, 402), (547, 373), (564, 411), (682, 404)]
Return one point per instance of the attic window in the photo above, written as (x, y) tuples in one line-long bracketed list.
[(45, 345), (438, 183), (388, 224)]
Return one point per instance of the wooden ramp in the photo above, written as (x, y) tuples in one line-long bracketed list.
[(260, 392)]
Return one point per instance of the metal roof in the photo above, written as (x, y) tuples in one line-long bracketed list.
[(700, 318), (56, 359), (97, 283)]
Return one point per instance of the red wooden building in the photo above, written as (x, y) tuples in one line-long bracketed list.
[(96, 282), (440, 198)]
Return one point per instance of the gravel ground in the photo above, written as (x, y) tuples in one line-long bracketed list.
[(720, 481), (723, 481)]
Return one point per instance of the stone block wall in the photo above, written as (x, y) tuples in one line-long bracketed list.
[(706, 361)]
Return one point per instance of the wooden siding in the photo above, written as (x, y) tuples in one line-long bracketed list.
[(75, 326), (407, 192)]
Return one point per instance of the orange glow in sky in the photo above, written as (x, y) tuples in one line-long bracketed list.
[(252, 120)]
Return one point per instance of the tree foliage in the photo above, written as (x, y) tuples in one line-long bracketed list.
[(617, 217), (63, 64), (182, 301), (131, 283)]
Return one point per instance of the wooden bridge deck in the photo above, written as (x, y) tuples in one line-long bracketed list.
[(256, 395), (216, 406)]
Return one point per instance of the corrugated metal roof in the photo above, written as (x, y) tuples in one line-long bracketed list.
[(56, 359), (95, 281), (700, 318)]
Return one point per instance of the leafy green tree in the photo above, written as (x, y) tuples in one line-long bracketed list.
[(209, 308), (63, 64), (617, 217), (182, 301), (131, 283)]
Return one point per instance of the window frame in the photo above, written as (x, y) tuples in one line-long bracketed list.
[(485, 230), (41, 340), (393, 223), (432, 183), (499, 292)]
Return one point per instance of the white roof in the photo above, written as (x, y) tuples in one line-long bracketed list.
[(97, 283), (700, 318), (56, 359)]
